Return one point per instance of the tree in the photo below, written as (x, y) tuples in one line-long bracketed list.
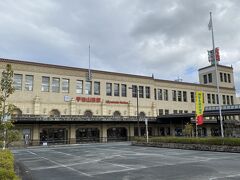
[(7, 132), (188, 129)]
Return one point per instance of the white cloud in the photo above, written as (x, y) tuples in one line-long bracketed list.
[(167, 38)]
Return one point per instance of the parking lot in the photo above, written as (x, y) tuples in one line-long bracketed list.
[(121, 161)]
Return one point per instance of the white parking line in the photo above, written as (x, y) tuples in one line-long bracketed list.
[(60, 165), (228, 176)]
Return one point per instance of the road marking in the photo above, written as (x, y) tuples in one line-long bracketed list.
[(60, 165), (228, 176)]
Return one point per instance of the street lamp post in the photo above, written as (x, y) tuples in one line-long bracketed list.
[(137, 111), (138, 115)]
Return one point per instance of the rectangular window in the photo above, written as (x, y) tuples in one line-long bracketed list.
[(79, 87), (232, 100), (209, 98), (210, 78), (174, 95), (55, 84), (175, 111), (192, 97), (17, 81), (109, 89), (147, 90), (165, 94), (221, 77), (180, 111), (45, 84), (229, 78), (96, 88), (205, 79), (224, 99), (88, 87), (179, 95), (228, 100), (184, 96), (155, 93), (225, 77), (159, 92), (134, 91), (116, 89), (124, 90), (166, 111), (160, 111), (141, 92), (213, 99), (217, 98), (65, 85), (29, 82)]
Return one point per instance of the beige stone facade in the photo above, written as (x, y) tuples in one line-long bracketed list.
[(36, 102)]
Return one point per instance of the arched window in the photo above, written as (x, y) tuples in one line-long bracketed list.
[(54, 113), (116, 114), (17, 112), (142, 115), (88, 113)]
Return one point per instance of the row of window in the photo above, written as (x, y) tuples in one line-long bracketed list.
[(166, 111), (224, 77), (162, 94), (141, 91), (226, 99), (112, 89), (17, 82), (207, 78), (116, 89)]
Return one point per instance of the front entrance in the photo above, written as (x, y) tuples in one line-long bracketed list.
[(117, 134), (54, 136), (87, 135)]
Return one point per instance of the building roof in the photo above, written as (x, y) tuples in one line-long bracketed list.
[(228, 67), (14, 61)]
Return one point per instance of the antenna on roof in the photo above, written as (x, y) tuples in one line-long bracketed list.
[(179, 79), (152, 75), (89, 75)]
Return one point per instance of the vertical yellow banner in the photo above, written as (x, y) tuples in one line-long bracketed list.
[(199, 107)]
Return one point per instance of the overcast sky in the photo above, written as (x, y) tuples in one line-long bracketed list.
[(167, 38)]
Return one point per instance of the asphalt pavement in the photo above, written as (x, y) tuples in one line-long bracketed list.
[(121, 161)]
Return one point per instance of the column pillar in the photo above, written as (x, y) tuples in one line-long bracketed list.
[(72, 134), (73, 107), (130, 131), (103, 108), (208, 131), (35, 138), (130, 109), (154, 112), (103, 133), (36, 105)]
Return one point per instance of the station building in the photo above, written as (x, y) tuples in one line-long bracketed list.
[(60, 104)]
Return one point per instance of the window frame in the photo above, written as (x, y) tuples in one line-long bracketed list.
[(27, 85)]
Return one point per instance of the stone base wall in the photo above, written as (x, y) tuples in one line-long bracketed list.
[(199, 147)]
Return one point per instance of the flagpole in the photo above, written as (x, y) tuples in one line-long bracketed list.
[(217, 78)]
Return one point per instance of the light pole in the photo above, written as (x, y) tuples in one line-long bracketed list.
[(146, 123), (137, 110)]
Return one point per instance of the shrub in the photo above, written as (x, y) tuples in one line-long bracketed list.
[(185, 140), (7, 166)]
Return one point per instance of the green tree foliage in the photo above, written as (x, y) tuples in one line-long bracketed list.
[(188, 129), (7, 132)]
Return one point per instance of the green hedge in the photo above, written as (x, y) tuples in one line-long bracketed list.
[(7, 166), (186, 140)]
